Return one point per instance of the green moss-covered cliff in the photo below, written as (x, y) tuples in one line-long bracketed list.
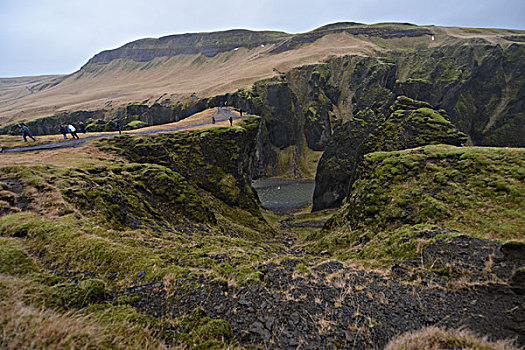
[(163, 211), (402, 199), (407, 124)]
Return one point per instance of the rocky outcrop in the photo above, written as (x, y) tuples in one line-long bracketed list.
[(480, 87), (219, 161), (410, 124), (173, 179), (457, 80)]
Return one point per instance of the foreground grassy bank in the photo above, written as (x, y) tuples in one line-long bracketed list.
[(159, 241)]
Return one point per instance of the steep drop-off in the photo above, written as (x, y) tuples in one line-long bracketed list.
[(408, 124), (421, 211)]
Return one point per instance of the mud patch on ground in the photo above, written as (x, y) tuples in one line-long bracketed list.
[(12, 199)]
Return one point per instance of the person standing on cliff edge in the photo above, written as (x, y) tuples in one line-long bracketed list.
[(63, 131), (82, 127)]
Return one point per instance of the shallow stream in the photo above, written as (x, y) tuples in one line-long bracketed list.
[(281, 195)]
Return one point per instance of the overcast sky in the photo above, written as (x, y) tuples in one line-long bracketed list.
[(58, 36)]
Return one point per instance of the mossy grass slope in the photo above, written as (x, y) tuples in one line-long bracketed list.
[(400, 196), (167, 210)]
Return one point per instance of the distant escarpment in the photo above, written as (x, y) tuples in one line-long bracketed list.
[(214, 43), (206, 44)]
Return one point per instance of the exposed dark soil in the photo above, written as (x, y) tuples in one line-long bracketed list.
[(331, 305), (11, 194)]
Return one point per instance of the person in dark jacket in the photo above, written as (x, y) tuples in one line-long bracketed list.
[(63, 131), (26, 132), (82, 127)]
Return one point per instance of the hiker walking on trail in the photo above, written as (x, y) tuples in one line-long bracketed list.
[(26, 132), (231, 120), (63, 131), (213, 119), (117, 126), (73, 131)]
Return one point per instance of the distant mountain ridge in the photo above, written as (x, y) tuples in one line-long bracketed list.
[(207, 44), (171, 69), (213, 43)]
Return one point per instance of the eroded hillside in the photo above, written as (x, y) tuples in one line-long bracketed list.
[(159, 241)]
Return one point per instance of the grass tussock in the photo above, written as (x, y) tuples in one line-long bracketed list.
[(434, 338), (29, 326)]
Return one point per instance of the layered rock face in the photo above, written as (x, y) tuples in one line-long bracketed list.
[(206, 44)]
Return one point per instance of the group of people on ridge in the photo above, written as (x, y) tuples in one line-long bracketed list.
[(230, 119)]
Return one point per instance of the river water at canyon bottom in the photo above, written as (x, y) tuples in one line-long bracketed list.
[(281, 195)]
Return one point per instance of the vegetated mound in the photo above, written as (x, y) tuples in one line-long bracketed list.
[(441, 212), (407, 124), (76, 233), (476, 190), (171, 178)]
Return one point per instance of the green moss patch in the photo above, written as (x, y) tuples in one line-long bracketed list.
[(14, 260), (199, 331)]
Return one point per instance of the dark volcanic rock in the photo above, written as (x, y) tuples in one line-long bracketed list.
[(335, 306)]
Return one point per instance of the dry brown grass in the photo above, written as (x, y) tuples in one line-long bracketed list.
[(175, 78), (30, 327), (434, 338), (67, 157)]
